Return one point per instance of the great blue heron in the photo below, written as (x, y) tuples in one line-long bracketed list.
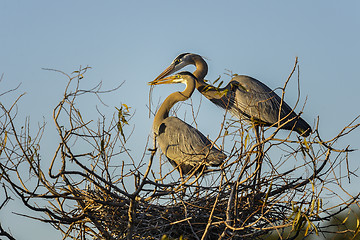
[(244, 96), (183, 145)]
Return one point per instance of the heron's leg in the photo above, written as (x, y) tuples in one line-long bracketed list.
[(197, 176), (182, 179), (181, 174), (197, 189), (259, 156)]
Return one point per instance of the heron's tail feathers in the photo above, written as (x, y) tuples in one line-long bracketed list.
[(302, 127)]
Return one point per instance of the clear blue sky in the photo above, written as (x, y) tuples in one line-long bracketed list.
[(133, 41)]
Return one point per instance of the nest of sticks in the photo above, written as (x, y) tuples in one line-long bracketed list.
[(223, 215)]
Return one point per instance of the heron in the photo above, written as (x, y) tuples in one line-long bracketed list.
[(186, 148), (244, 97)]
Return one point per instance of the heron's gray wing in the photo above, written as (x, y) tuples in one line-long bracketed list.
[(248, 97), (256, 100), (184, 144)]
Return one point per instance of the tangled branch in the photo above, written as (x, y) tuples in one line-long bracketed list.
[(95, 188)]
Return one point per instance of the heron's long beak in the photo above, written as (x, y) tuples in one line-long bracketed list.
[(169, 70), (165, 80)]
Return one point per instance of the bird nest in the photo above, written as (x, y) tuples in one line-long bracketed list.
[(182, 214)]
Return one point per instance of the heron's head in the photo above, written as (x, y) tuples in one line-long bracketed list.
[(182, 77), (179, 62)]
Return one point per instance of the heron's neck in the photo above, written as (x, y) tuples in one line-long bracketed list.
[(170, 101), (207, 90), (201, 71)]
